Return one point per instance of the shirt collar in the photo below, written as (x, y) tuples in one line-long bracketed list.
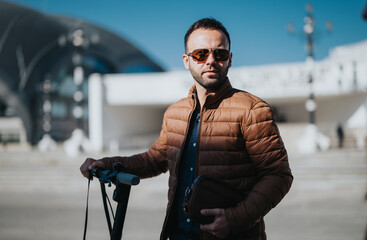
[(213, 97)]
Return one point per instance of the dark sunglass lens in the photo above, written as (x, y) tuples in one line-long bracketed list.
[(221, 54), (200, 54)]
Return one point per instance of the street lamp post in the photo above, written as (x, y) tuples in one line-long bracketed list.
[(80, 42), (311, 140), (46, 143), (309, 29)]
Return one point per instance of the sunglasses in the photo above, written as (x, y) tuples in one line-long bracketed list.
[(200, 55)]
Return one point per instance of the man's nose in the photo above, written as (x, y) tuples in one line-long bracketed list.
[(211, 59)]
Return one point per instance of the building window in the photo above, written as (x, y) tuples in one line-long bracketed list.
[(59, 109)]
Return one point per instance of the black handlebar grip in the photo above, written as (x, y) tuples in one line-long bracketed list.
[(126, 178)]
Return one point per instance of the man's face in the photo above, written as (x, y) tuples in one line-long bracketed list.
[(209, 73)]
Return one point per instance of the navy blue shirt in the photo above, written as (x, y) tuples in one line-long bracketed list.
[(185, 227)]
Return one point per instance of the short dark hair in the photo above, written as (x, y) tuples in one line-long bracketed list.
[(207, 23)]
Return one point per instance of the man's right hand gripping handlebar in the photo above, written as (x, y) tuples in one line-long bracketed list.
[(89, 164)]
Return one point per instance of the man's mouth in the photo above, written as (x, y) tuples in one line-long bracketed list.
[(211, 71)]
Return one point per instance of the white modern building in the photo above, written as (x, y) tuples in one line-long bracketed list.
[(126, 110)]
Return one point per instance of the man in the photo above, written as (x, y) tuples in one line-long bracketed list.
[(217, 131)]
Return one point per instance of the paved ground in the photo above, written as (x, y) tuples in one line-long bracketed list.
[(42, 196)]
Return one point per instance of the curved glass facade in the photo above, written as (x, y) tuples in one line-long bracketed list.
[(60, 117), (45, 75)]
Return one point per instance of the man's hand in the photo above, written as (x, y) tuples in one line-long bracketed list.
[(89, 164), (219, 227)]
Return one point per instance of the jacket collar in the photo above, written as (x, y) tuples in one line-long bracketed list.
[(213, 97)]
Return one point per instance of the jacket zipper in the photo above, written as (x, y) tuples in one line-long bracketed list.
[(185, 139), (178, 162), (197, 151), (197, 144)]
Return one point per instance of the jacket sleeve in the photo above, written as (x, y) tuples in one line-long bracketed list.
[(147, 164), (269, 156)]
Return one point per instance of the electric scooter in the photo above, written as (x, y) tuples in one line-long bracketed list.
[(123, 182)]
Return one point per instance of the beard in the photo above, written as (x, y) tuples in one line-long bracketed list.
[(211, 83)]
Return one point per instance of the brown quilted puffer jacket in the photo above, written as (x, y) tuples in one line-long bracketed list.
[(239, 142)]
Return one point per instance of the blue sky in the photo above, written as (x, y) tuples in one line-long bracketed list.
[(257, 28)]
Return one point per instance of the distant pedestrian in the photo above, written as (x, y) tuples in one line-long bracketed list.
[(340, 132)]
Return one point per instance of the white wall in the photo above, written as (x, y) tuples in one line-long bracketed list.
[(132, 126), (133, 104)]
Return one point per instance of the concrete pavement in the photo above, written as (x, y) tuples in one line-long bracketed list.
[(42, 196)]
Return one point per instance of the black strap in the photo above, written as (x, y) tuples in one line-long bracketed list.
[(110, 205), (86, 213), (104, 197)]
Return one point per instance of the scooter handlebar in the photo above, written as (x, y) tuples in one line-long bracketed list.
[(115, 177), (126, 178)]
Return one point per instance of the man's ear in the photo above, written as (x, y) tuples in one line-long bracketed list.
[(185, 59), (230, 60)]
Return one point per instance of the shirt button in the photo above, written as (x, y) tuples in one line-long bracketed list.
[(194, 144), (191, 169), (188, 220)]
